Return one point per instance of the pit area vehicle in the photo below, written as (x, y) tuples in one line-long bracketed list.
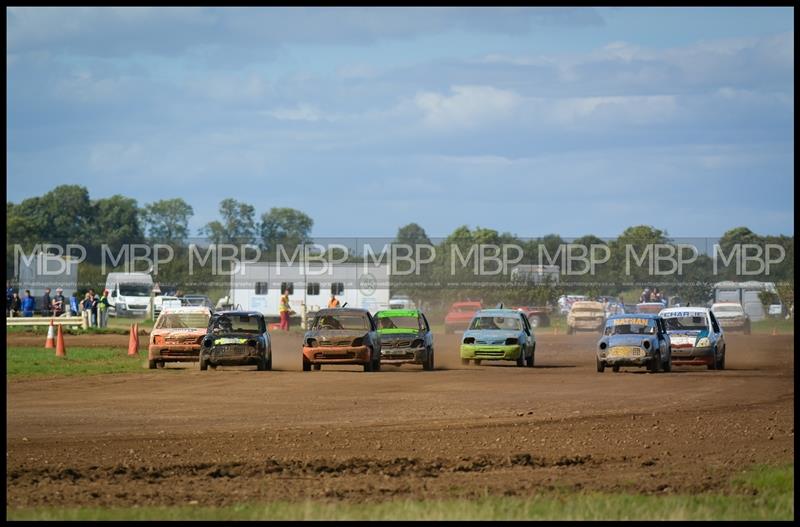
[(460, 315), (537, 316), (731, 316), (586, 316), (635, 340), (697, 338), (406, 337), (177, 335), (499, 334), (236, 338), (342, 336)]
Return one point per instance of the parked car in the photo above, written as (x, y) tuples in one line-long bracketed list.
[(401, 302), (586, 316), (635, 340), (177, 335), (342, 336), (197, 300), (731, 316), (537, 316), (696, 336), (650, 307), (236, 338), (460, 315), (499, 334), (406, 337), (565, 302)]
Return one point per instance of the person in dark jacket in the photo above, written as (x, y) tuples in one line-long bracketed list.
[(59, 303), (15, 305), (74, 310), (46, 303)]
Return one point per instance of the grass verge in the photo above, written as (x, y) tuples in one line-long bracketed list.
[(763, 493), (40, 362)]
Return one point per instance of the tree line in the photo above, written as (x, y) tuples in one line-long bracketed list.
[(66, 214)]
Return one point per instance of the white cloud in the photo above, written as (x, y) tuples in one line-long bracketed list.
[(300, 112), (468, 106)]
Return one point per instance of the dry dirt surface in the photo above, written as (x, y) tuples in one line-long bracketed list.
[(180, 436)]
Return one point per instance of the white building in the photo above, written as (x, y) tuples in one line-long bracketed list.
[(258, 286)]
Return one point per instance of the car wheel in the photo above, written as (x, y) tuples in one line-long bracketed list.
[(203, 364), (465, 362), (152, 364), (478, 362), (713, 364), (529, 361), (667, 366), (376, 366), (653, 365), (570, 331), (269, 362), (721, 362), (615, 368), (161, 364), (317, 367), (601, 366), (306, 364), (427, 365), (521, 358)]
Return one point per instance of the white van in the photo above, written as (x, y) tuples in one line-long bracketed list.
[(129, 294)]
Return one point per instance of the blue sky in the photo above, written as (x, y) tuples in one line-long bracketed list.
[(527, 120)]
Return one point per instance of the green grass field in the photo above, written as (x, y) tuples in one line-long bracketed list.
[(764, 493), (41, 362)]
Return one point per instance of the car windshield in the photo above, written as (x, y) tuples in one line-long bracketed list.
[(236, 324), (697, 322), (512, 323), (135, 289), (182, 320), (343, 322), (728, 309), (630, 326), (398, 322)]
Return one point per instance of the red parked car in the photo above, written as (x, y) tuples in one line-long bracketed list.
[(537, 316), (460, 315)]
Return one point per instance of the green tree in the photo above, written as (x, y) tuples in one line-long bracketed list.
[(285, 226), (167, 220), (237, 225)]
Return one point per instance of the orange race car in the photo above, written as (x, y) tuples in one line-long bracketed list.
[(177, 335)]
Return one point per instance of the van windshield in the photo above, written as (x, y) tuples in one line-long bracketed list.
[(135, 289)]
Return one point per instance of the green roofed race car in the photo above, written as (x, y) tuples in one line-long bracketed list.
[(406, 337)]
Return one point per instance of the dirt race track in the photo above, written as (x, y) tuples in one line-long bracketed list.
[(179, 436)]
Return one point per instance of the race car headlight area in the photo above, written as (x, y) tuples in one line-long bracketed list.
[(703, 342)]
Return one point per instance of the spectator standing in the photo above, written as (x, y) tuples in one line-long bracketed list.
[(102, 307), (47, 303), (28, 304), (15, 305), (59, 303), (9, 296), (284, 310), (87, 307), (74, 308), (93, 305)]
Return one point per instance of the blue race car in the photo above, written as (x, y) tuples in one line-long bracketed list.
[(635, 340)]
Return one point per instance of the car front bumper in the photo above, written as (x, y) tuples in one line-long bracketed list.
[(403, 355), (693, 356), (490, 352), (232, 356), (337, 354), (174, 353)]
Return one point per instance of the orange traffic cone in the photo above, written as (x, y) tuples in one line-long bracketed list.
[(61, 350), (51, 336), (133, 341)]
